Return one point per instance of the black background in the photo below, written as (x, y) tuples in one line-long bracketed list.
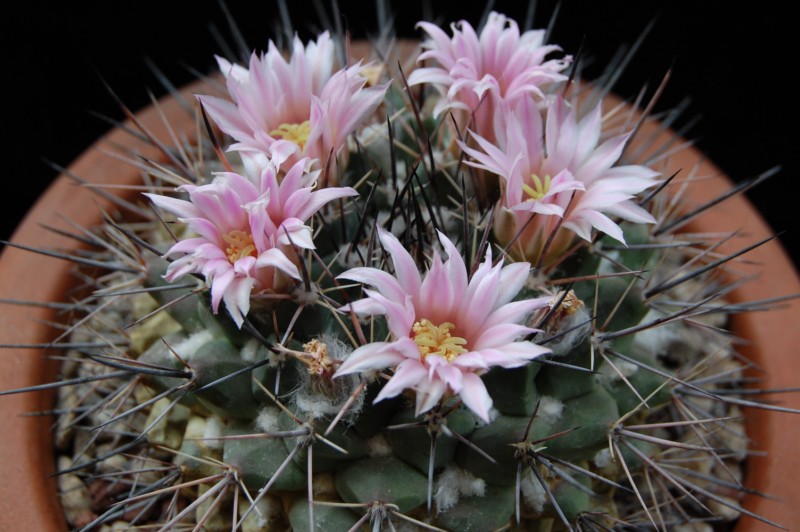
[(734, 63)]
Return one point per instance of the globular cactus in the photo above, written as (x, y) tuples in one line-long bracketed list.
[(435, 298)]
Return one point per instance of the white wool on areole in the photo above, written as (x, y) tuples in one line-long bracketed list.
[(454, 483), (533, 494), (378, 446), (268, 419), (550, 409)]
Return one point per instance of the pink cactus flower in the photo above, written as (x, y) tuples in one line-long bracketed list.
[(294, 197), (446, 329), (558, 170), (245, 232), (293, 109), (476, 73)]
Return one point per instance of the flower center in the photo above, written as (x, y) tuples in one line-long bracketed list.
[(297, 133), (539, 188), (437, 340), (240, 245)]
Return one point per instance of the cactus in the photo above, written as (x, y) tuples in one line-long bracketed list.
[(434, 301)]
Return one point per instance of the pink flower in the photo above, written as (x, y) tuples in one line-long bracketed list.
[(293, 197), (289, 110), (476, 73), (446, 330), (558, 170), (245, 232)]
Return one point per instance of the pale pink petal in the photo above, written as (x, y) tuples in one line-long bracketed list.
[(603, 158), (455, 268), (275, 258), (405, 268), (180, 267), (500, 335), (475, 396), (317, 200), (384, 282), (185, 246), (220, 286), (641, 172), (451, 375), (513, 355), (399, 314), (545, 209), (515, 311), (364, 307), (237, 299), (471, 361), (480, 300), (293, 232), (512, 279), (226, 115), (523, 351), (436, 294), (244, 267), (428, 75), (376, 355), (228, 69), (178, 207), (590, 134), (631, 212), (600, 222), (409, 373), (429, 393)]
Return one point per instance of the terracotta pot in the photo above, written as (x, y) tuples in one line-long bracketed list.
[(772, 337), (27, 496)]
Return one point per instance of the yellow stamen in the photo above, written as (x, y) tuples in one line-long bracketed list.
[(372, 73), (437, 340), (241, 245), (297, 133), (539, 189)]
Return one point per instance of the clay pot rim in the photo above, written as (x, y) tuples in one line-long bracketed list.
[(44, 279)]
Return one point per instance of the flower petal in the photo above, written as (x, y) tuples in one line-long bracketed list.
[(429, 393), (372, 356), (409, 373), (405, 268), (475, 396)]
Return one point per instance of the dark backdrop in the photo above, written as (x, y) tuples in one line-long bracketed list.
[(734, 63)]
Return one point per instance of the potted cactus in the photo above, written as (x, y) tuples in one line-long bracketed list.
[(403, 291)]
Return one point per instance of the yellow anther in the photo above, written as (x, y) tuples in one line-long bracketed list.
[(297, 133), (539, 189), (240, 245), (436, 340), (372, 73)]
